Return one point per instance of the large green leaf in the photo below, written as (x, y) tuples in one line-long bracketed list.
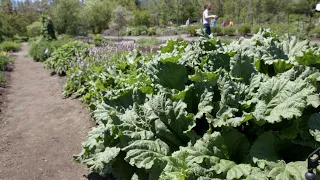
[(198, 99), (309, 58), (169, 75), (264, 151), (239, 171), (101, 160), (209, 156), (241, 66), (232, 93), (314, 124), (168, 119), (291, 171), (145, 153), (280, 98)]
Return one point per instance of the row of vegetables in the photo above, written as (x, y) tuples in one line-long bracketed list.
[(200, 110)]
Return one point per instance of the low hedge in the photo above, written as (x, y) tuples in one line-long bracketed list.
[(10, 46), (244, 29)]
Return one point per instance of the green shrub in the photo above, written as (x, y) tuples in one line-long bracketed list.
[(20, 39), (34, 29), (192, 29), (159, 31), (151, 31), (244, 29), (136, 31), (39, 50), (315, 32), (10, 46), (98, 40), (216, 30), (42, 49), (256, 29), (141, 30), (64, 56), (228, 31), (59, 42), (4, 61), (141, 17)]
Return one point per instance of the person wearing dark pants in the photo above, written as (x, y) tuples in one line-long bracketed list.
[(206, 18)]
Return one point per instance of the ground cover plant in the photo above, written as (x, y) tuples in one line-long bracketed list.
[(203, 110)]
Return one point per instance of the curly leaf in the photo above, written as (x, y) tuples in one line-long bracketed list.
[(238, 171), (280, 99), (145, 153), (291, 171)]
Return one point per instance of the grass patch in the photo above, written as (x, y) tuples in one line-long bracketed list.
[(147, 42)]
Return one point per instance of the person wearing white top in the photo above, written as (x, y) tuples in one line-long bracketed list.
[(206, 18)]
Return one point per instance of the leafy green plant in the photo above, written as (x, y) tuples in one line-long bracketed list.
[(34, 29), (4, 61), (203, 110), (159, 31), (152, 31), (98, 39), (136, 31), (244, 29), (10, 46), (63, 57), (256, 29), (217, 30), (141, 17), (41, 49)]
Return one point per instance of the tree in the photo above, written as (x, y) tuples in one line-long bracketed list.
[(142, 17), (65, 16), (120, 18), (47, 30), (97, 15)]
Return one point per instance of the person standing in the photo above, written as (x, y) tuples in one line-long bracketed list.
[(231, 23), (188, 22), (206, 18), (224, 23)]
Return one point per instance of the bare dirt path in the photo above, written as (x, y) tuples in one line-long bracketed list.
[(40, 131)]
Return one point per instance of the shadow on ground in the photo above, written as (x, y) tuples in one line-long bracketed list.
[(96, 176)]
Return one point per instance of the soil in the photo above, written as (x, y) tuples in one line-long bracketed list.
[(39, 130)]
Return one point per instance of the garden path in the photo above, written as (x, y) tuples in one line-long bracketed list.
[(39, 130)]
